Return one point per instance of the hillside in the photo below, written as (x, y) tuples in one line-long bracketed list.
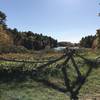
[(5, 38), (14, 40), (29, 40)]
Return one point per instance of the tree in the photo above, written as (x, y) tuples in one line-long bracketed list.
[(87, 41), (2, 18), (98, 39)]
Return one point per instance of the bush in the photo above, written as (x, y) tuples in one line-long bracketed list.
[(13, 49)]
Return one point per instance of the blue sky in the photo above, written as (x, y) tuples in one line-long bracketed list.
[(64, 20)]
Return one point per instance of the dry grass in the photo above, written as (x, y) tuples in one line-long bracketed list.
[(5, 38)]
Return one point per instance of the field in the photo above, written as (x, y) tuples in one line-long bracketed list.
[(17, 81)]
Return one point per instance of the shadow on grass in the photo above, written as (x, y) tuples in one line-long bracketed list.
[(18, 75)]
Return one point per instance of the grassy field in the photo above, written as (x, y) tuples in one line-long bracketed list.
[(26, 87)]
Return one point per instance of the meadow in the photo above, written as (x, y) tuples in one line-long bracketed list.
[(19, 82)]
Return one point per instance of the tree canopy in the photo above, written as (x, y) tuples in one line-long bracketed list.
[(2, 18), (32, 40), (87, 41)]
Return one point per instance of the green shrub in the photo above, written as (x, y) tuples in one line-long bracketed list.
[(13, 49)]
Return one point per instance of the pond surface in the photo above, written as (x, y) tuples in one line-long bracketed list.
[(59, 48)]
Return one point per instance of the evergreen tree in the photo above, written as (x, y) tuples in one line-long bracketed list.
[(87, 41), (2, 18)]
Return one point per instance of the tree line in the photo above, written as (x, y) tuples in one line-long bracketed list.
[(32, 40), (87, 41), (91, 41), (28, 39)]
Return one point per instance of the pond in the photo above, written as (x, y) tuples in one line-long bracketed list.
[(59, 48)]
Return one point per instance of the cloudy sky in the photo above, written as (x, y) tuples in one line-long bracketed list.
[(64, 20)]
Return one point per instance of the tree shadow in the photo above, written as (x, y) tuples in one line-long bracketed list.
[(81, 79), (19, 75)]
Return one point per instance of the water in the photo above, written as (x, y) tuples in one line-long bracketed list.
[(59, 48)]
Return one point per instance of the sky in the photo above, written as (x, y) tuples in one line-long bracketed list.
[(64, 20)]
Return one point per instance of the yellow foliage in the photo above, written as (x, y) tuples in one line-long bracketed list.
[(5, 38)]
